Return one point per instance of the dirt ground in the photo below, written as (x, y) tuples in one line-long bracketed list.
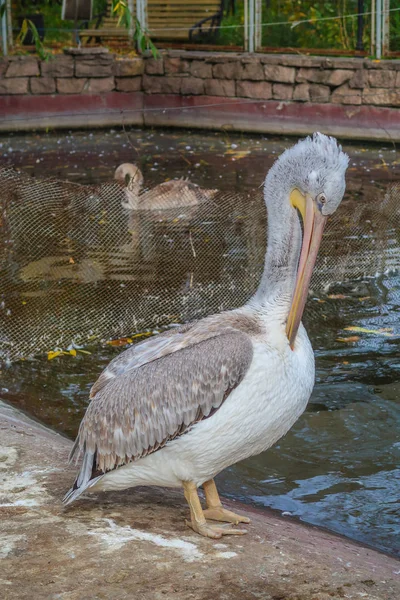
[(136, 544)]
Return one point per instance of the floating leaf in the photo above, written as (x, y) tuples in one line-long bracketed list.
[(353, 338), (237, 154), (120, 342), (337, 297), (72, 352), (384, 331), (53, 354)]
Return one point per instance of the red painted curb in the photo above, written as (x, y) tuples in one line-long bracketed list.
[(22, 113)]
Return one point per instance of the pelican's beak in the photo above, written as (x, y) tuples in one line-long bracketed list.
[(313, 227)]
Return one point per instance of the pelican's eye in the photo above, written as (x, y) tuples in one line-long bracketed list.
[(321, 200)]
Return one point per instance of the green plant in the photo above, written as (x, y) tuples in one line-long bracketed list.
[(40, 49), (140, 35)]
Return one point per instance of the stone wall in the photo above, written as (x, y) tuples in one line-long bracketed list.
[(348, 97), (276, 77), (288, 78)]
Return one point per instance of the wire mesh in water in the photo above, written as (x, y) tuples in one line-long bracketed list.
[(82, 263)]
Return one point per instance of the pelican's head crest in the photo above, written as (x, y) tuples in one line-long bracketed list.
[(316, 167)]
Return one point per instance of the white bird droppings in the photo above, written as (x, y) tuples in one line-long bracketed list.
[(115, 537)]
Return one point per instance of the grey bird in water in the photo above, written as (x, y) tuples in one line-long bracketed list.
[(175, 193)]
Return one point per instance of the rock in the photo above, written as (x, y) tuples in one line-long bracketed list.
[(161, 85), (128, 67), (338, 77), (359, 79), (302, 92), (251, 89), (99, 85), (3, 66), (22, 66), (252, 70), (227, 70), (312, 75), (319, 93), (398, 79), (128, 84), (199, 68), (70, 85), (173, 66), (282, 91), (98, 65), (279, 73), (87, 51), (346, 95), (154, 66), (219, 87), (17, 85), (59, 66), (192, 86), (43, 85), (135, 544), (381, 97), (382, 79)]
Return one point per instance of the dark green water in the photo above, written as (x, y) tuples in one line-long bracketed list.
[(339, 465)]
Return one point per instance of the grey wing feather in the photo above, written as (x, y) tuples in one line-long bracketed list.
[(142, 353), (141, 410)]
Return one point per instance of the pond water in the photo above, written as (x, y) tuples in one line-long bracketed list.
[(339, 465)]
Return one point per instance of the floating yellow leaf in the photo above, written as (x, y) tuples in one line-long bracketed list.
[(353, 338), (144, 334), (72, 352), (364, 298), (237, 154), (53, 354), (120, 342), (84, 351), (374, 331), (337, 297)]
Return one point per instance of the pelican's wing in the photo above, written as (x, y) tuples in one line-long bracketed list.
[(145, 352), (138, 412)]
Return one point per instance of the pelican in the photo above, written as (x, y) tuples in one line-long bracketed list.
[(177, 409), (170, 194)]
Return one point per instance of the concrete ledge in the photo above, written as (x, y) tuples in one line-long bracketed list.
[(135, 544), (370, 123), (27, 113)]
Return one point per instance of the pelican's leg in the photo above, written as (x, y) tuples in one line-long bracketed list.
[(197, 519), (215, 511)]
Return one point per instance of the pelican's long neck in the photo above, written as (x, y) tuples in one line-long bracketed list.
[(283, 249)]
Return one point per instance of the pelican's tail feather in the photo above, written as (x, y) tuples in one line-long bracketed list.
[(85, 477)]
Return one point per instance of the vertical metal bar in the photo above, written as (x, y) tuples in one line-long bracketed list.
[(373, 13), (246, 25), (4, 29), (10, 37), (378, 29), (251, 26), (360, 25), (258, 21), (386, 27)]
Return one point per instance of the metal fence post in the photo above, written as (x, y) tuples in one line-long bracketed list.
[(360, 26), (378, 36), (258, 21), (249, 25), (4, 27), (386, 27)]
